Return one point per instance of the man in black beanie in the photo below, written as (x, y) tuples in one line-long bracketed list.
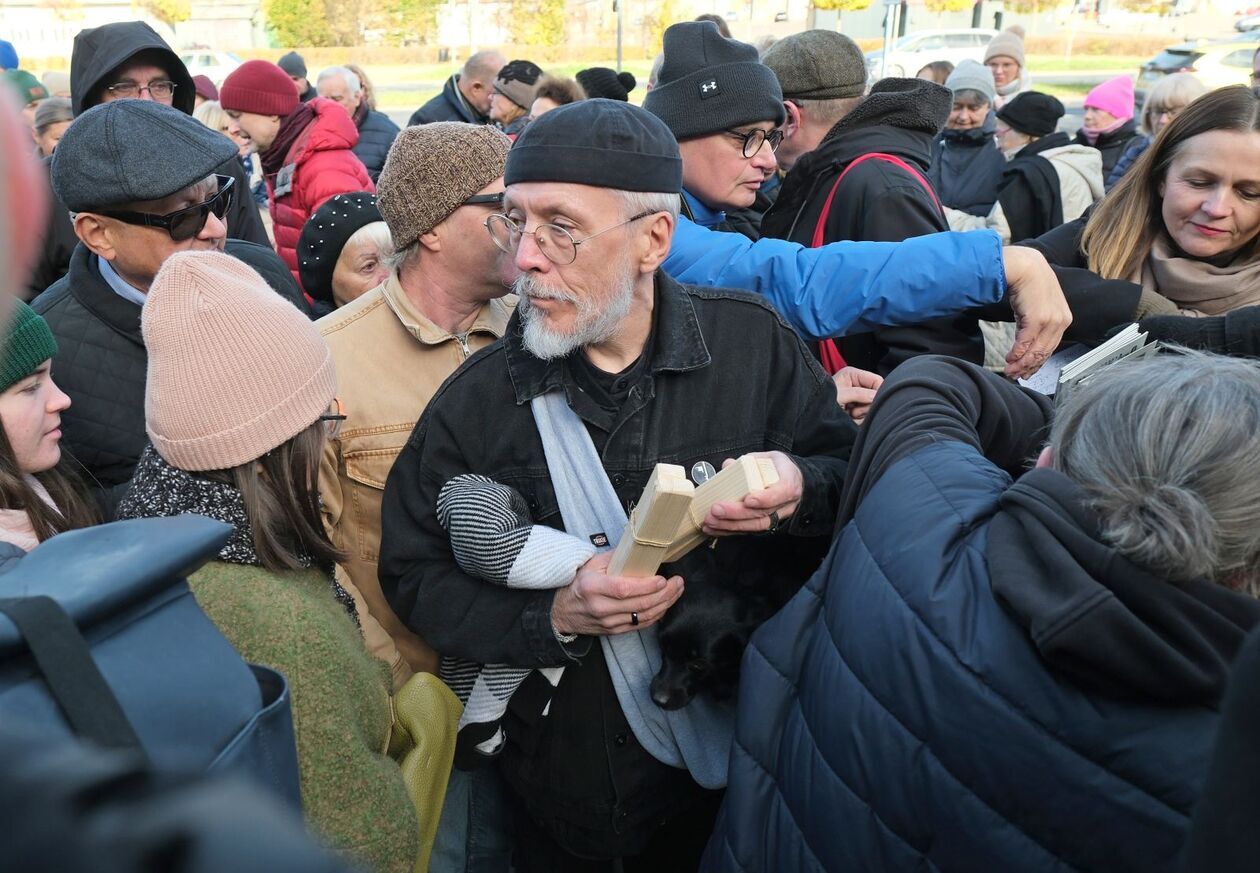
[(725, 107), (612, 366)]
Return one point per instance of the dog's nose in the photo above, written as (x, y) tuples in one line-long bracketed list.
[(660, 697)]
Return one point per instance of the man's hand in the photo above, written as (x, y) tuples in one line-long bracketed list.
[(855, 391), (762, 510), (1041, 312), (596, 604)]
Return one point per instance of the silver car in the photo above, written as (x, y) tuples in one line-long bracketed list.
[(914, 51)]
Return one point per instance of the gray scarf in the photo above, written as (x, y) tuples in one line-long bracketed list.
[(696, 737), (1200, 287)]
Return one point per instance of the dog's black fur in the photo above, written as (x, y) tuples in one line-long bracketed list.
[(730, 589)]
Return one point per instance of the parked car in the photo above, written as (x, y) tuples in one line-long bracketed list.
[(1248, 22), (916, 50), (1215, 63), (215, 65)]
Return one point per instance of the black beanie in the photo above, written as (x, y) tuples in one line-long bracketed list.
[(604, 143), (709, 83), (325, 234), (1033, 113), (603, 82)]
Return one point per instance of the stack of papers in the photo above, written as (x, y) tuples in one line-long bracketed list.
[(1128, 344)]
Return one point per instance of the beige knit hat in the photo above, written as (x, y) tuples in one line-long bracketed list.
[(235, 370), (1007, 44), (433, 168)]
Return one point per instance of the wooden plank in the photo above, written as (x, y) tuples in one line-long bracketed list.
[(733, 484), (653, 524)]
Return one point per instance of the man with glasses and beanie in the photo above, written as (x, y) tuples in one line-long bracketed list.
[(725, 107), (607, 367), (142, 182), (394, 346), (123, 61)]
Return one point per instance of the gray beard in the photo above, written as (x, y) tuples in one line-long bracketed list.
[(594, 324)]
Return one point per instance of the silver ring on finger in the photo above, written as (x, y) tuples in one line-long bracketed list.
[(634, 619)]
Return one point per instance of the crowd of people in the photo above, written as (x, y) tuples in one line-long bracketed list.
[(424, 376)]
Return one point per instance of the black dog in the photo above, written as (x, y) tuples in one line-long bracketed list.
[(731, 588)]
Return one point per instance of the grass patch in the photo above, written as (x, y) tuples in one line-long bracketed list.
[(1085, 63)]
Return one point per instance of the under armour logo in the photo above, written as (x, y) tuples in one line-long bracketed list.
[(708, 89)]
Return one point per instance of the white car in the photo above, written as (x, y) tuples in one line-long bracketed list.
[(214, 65), (914, 51)]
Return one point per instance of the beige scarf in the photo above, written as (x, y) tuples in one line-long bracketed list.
[(1198, 287), (15, 524)]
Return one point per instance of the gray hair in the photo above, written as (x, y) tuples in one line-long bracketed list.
[(650, 201), (655, 74), (1167, 451), (347, 75), (973, 96), (396, 259)]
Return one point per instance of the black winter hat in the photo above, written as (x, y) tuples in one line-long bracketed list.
[(1033, 113), (326, 233), (709, 83), (293, 64), (604, 143), (603, 82), (129, 150)]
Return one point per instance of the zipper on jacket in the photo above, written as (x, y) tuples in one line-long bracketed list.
[(462, 339)]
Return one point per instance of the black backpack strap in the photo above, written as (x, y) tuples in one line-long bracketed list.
[(76, 683)]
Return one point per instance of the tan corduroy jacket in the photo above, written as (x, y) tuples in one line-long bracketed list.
[(390, 361)]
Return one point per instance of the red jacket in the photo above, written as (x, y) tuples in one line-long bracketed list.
[(325, 168)]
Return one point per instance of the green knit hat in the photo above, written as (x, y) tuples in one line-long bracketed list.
[(27, 343)]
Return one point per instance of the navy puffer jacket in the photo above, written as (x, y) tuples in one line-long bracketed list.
[(376, 135), (972, 681)]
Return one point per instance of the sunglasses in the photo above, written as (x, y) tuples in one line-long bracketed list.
[(186, 223)]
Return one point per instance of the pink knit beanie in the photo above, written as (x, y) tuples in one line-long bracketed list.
[(235, 370), (1114, 96)]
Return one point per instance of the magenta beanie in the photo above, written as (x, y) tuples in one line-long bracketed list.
[(259, 87), (1114, 96)]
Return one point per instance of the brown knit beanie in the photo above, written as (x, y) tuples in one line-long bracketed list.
[(433, 168), (234, 369)]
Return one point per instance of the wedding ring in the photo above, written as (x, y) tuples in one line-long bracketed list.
[(774, 522), (634, 619)]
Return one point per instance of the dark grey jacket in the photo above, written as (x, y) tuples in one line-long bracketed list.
[(376, 135)]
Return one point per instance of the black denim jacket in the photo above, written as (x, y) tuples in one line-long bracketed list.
[(725, 376)]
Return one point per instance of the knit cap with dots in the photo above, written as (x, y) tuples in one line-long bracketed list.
[(325, 234)]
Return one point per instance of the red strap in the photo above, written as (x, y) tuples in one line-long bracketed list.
[(832, 360)]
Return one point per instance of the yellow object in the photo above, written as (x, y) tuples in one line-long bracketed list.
[(422, 741)]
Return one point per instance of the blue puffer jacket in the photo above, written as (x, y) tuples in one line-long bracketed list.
[(911, 710), (376, 135), (845, 287)]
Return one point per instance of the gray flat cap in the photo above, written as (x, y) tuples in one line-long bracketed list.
[(128, 150)]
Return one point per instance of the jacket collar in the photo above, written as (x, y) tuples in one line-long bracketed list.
[(493, 318), (1058, 139), (94, 295), (699, 213), (678, 345)]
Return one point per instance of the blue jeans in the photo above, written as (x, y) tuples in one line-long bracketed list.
[(474, 833)]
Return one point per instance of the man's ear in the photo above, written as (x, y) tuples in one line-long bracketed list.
[(659, 236), (96, 234), (432, 240), (1046, 458), (793, 122)]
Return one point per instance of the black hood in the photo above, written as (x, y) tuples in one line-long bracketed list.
[(100, 51), (1094, 615)]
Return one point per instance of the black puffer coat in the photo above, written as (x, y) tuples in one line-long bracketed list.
[(967, 167), (101, 363), (1112, 145), (376, 135)]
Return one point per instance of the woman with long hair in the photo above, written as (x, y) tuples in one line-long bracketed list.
[(1180, 233), (39, 495), (239, 401)]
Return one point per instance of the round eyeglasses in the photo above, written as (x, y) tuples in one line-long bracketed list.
[(556, 243), (753, 139)]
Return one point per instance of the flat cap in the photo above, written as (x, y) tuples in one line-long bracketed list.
[(817, 65), (604, 143), (129, 150)]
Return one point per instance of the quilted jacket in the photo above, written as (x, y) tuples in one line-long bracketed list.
[(324, 167), (973, 681), (376, 135), (101, 364)]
